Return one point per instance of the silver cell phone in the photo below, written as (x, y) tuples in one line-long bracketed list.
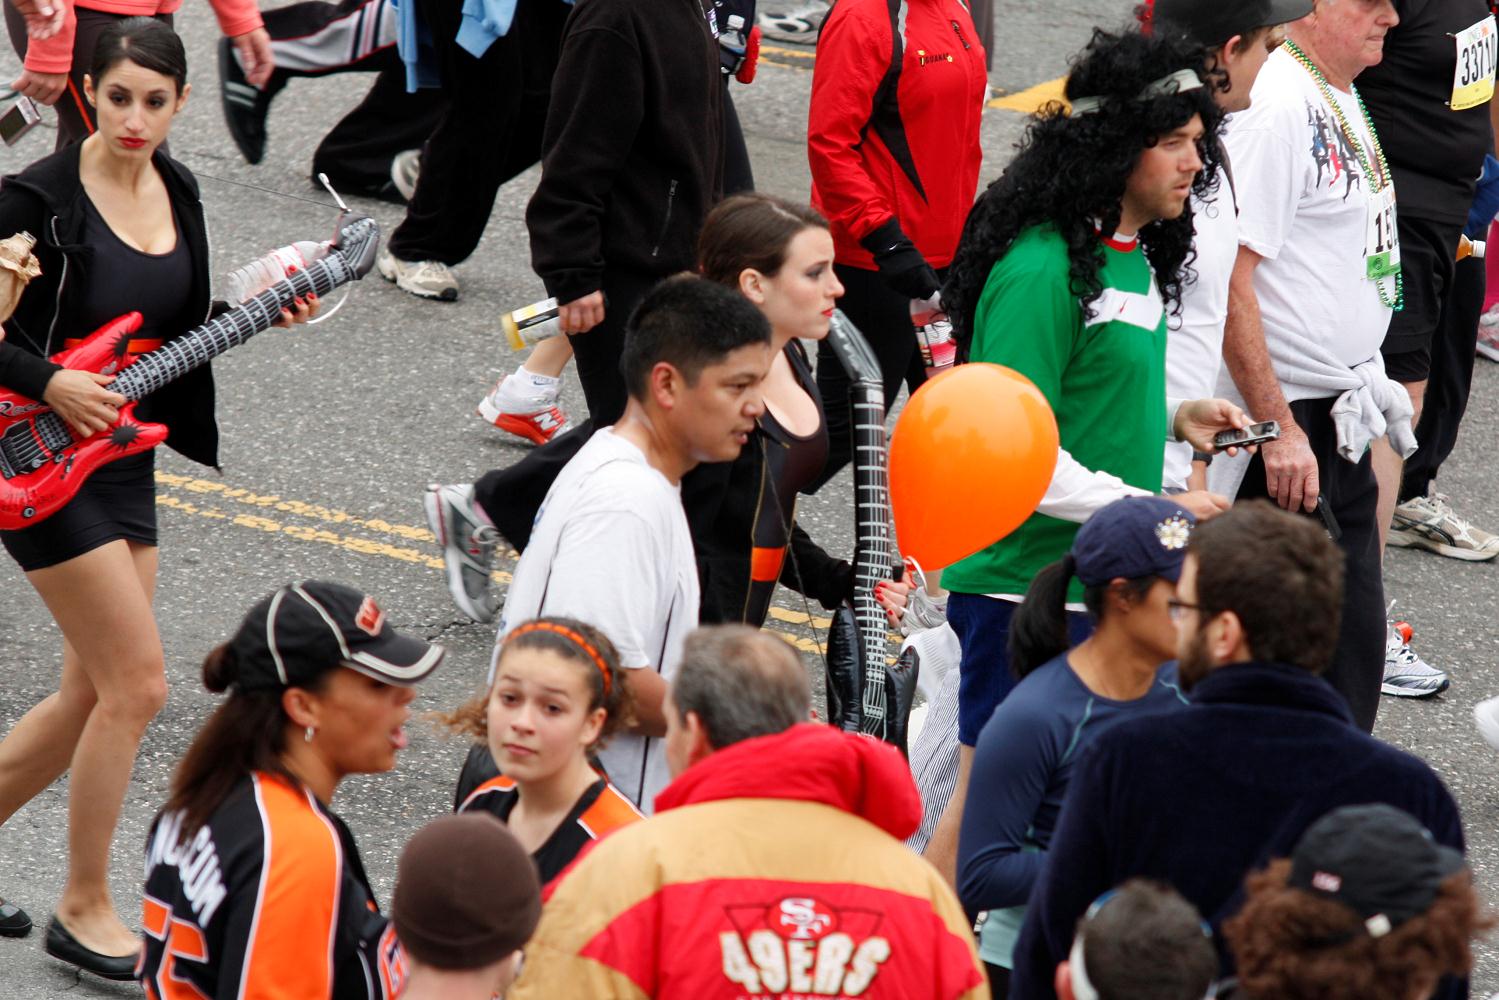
[(20, 119), (1265, 430)]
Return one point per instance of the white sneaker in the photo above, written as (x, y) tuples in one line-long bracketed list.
[(1430, 523), (404, 170), (792, 21), (522, 405), (1406, 675), (1486, 714), (427, 279)]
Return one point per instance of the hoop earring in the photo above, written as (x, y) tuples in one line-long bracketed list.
[(308, 733)]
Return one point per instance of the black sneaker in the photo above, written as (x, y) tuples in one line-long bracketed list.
[(245, 105)]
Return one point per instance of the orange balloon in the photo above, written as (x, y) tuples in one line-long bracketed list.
[(970, 459)]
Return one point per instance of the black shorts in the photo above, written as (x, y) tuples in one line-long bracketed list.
[(1427, 264), (118, 501)]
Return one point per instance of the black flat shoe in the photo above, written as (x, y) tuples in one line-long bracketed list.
[(13, 920), (63, 946)]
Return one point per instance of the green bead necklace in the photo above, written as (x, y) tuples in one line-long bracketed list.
[(1358, 149)]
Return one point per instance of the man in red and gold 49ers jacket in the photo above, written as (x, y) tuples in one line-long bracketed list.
[(773, 866)]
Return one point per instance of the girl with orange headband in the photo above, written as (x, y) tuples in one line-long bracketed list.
[(553, 701)]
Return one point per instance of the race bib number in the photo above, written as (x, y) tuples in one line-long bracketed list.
[(1382, 242), (1473, 78)]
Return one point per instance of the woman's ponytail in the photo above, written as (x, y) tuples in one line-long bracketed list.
[(1038, 630)]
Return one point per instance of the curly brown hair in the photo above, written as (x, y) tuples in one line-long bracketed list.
[(1292, 945), (595, 657)]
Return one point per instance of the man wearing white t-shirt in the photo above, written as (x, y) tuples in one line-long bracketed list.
[(1310, 299), (1239, 38), (611, 545)]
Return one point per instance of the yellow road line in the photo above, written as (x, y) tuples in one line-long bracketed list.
[(192, 496), (1032, 99), (781, 56)]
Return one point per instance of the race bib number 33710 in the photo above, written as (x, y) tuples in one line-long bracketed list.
[(1473, 77)]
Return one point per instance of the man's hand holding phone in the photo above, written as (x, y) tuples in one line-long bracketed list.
[(1197, 421)]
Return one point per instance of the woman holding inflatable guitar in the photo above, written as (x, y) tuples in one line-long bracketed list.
[(119, 228)]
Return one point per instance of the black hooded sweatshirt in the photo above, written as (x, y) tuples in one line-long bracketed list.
[(47, 200), (632, 156)]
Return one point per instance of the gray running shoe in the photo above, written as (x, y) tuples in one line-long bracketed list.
[(427, 279), (1430, 523), (468, 545), (1406, 675)]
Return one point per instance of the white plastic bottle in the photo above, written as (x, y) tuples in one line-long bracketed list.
[(933, 334), (244, 283)]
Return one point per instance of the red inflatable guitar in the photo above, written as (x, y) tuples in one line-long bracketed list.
[(42, 464)]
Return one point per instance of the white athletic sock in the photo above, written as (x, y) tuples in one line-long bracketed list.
[(539, 381)]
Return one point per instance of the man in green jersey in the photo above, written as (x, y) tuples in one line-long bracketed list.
[(1065, 273)]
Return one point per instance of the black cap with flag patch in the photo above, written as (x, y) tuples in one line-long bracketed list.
[(1375, 859), (305, 629)]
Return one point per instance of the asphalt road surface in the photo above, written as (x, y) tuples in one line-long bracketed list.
[(330, 433)]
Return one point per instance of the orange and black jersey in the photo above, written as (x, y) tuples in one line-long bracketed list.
[(599, 810), (268, 900)]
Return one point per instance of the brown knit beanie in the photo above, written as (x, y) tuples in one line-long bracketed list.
[(466, 893)]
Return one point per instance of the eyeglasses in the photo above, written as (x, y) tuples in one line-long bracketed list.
[(1178, 609)]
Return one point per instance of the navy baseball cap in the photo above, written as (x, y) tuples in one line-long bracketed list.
[(1132, 538), (1213, 22), (305, 629), (1377, 860)]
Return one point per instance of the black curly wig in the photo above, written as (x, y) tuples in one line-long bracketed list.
[(1071, 172)]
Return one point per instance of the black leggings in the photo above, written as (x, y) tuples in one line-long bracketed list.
[(1450, 378), (999, 980), (75, 116), (884, 317)]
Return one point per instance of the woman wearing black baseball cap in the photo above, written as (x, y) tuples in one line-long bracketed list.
[(254, 888)]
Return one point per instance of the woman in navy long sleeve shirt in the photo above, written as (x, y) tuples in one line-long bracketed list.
[(1128, 558)]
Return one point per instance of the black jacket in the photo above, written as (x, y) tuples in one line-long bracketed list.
[(1198, 798), (47, 200), (632, 155)]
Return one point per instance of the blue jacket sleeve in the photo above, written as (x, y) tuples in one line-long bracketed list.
[(1012, 767), (1078, 869)]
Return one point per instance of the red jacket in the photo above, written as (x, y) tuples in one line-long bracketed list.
[(772, 869), (888, 140)]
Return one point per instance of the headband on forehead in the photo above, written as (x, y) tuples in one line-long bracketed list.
[(1176, 83), (573, 636)]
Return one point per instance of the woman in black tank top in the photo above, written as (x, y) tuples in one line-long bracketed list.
[(779, 256), (119, 228)]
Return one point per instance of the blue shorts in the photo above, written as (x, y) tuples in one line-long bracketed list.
[(984, 677)]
